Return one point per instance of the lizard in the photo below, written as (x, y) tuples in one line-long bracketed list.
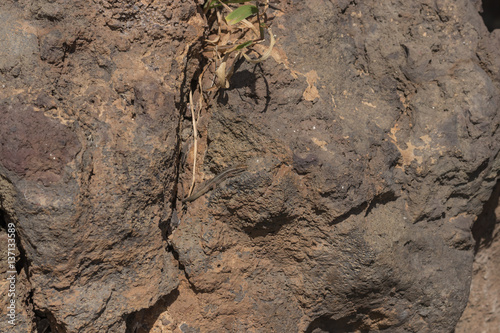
[(214, 182)]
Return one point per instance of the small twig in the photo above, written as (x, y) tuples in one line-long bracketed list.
[(200, 87), (261, 29), (195, 138)]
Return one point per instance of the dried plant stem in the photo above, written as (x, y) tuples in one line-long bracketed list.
[(195, 139)]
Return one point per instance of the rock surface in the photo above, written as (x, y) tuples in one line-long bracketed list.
[(88, 150), (481, 313), (371, 139)]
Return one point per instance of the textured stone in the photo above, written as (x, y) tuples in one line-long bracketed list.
[(88, 149), (481, 312), (372, 145), (371, 140)]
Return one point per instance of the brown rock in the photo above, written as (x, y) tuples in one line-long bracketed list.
[(371, 140), (358, 203), (481, 312), (91, 168)]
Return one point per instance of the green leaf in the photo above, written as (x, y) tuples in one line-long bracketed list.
[(236, 1), (240, 14), (216, 3), (243, 45), (210, 4)]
